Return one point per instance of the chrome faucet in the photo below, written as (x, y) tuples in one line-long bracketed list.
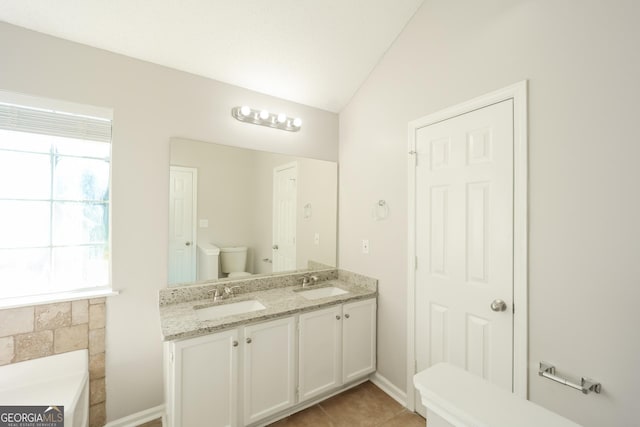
[(223, 293), (309, 280), (217, 295), (230, 291)]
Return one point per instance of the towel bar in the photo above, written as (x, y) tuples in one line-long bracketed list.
[(586, 385)]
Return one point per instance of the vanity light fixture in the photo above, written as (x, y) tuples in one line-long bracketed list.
[(265, 118)]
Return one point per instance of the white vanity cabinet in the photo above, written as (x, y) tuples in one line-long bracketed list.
[(246, 375), (269, 368), (358, 339), (319, 352), (337, 345), (202, 375), (201, 381)]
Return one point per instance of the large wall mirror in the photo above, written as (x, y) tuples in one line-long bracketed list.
[(279, 211)]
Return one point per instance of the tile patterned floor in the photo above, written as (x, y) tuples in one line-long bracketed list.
[(364, 405)]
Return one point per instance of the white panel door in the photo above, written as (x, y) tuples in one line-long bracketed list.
[(285, 192), (358, 339), (204, 380), (182, 211), (464, 243), (269, 368), (319, 352)]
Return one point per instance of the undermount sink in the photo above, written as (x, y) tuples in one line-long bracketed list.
[(329, 291), (223, 310)]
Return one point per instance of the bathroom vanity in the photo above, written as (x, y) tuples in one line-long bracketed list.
[(268, 351)]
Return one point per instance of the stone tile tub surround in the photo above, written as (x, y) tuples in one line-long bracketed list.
[(278, 293), (43, 330)]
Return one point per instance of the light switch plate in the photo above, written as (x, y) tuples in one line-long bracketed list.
[(316, 238), (365, 246)]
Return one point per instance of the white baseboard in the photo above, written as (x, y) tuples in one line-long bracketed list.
[(385, 385), (141, 417)]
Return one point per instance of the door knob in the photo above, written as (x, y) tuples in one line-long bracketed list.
[(498, 305), (274, 247), (187, 244), (248, 340)]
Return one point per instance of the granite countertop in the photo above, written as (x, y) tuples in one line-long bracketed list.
[(180, 320)]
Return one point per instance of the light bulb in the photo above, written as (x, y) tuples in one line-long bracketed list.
[(264, 114), (245, 110), (297, 122), (282, 118)]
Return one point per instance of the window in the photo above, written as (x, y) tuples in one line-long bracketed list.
[(54, 198)]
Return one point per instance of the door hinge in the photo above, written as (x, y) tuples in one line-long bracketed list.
[(171, 357), (415, 366), (513, 308), (415, 157), (415, 263)]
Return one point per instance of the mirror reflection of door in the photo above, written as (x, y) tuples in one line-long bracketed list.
[(284, 216), (182, 232)]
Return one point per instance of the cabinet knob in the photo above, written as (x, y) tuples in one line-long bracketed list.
[(337, 317), (346, 316), (235, 343), (248, 340)]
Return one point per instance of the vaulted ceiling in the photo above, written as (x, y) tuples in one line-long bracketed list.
[(316, 53)]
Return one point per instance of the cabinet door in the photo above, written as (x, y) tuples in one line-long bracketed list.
[(269, 368), (204, 382), (358, 339), (320, 352)]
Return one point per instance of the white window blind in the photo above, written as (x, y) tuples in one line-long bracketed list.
[(47, 122)]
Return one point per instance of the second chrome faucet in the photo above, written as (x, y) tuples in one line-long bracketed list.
[(309, 280), (224, 293)]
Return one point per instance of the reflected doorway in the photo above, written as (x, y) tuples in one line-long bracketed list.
[(182, 232), (285, 192)]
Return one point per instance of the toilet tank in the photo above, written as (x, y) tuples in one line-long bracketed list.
[(207, 261), (233, 259)]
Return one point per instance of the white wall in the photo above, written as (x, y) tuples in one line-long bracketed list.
[(151, 104), (583, 62)]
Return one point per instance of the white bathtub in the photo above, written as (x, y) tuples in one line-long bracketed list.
[(62, 379)]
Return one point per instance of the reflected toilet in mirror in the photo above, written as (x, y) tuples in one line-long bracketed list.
[(233, 261), (207, 262)]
